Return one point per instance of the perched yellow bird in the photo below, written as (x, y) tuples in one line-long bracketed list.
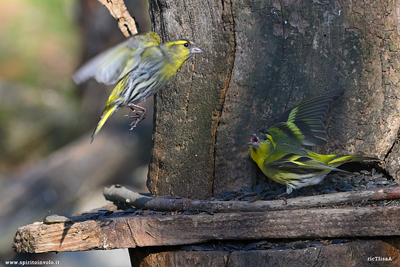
[(142, 65), (281, 154)]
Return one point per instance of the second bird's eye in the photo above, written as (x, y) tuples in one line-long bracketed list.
[(186, 44)]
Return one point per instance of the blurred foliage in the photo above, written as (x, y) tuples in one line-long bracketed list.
[(39, 42), (39, 107)]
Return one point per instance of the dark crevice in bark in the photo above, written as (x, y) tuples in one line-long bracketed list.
[(391, 148), (225, 86)]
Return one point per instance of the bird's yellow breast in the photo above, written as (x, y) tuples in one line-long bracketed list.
[(260, 153)]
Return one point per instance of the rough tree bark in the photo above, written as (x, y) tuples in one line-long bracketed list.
[(263, 57)]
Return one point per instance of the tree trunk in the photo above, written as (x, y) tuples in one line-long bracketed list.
[(263, 57)]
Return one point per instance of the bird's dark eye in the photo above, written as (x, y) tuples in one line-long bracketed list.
[(186, 44)]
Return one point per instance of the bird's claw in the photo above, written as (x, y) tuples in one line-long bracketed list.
[(134, 123), (282, 197), (138, 115)]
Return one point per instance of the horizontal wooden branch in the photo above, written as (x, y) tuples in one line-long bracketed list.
[(121, 230), (121, 194)]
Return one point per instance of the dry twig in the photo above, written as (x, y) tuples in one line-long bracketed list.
[(118, 10), (124, 195)]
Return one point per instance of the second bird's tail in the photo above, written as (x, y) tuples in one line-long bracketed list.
[(339, 160)]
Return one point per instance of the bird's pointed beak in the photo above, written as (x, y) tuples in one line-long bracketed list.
[(254, 141), (196, 50)]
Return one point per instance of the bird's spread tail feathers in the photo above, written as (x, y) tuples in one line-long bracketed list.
[(107, 112)]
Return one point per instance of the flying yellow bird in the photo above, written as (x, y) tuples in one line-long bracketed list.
[(142, 65)]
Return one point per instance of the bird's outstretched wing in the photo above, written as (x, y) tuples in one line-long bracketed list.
[(113, 64), (303, 123)]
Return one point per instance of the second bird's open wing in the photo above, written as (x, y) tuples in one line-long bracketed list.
[(303, 123)]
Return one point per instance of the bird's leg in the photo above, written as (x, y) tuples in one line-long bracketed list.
[(282, 197), (289, 190), (137, 113)]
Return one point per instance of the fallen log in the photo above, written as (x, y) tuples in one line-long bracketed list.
[(100, 230)]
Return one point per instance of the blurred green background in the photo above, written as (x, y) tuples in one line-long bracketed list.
[(39, 50), (47, 164)]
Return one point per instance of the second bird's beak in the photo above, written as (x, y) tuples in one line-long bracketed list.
[(196, 50), (255, 141)]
